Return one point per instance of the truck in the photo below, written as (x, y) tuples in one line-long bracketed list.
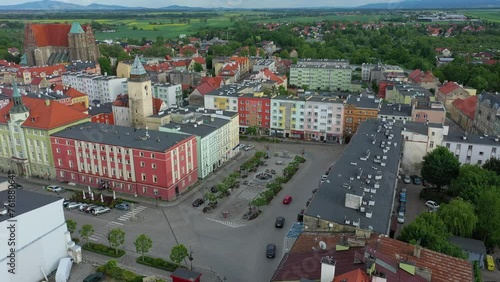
[(64, 269)]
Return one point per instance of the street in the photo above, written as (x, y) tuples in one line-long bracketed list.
[(233, 251)]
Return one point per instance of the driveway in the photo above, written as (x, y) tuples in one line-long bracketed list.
[(414, 205)]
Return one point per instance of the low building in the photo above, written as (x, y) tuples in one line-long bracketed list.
[(226, 97), (395, 112), (425, 110), (359, 191), (101, 113), (472, 148), (39, 249), (357, 109), (475, 249), (449, 92), (462, 112), (425, 79), (404, 93), (264, 64), (132, 161), (361, 257)]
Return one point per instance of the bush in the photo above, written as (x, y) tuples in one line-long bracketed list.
[(299, 159), (103, 250), (477, 273), (158, 263), (76, 240)]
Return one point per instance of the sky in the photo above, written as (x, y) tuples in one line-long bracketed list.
[(222, 3)]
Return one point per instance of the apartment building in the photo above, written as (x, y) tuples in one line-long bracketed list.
[(226, 97), (486, 114), (254, 110), (357, 109), (472, 148), (288, 116), (100, 88), (404, 93), (324, 119), (333, 75)]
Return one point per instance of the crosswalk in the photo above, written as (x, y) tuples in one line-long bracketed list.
[(128, 215), (227, 222)]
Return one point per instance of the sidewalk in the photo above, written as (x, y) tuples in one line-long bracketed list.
[(219, 174), (270, 139)]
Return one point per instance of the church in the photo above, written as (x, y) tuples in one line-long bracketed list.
[(51, 44)]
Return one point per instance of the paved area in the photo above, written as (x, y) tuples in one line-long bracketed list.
[(228, 249), (414, 205)]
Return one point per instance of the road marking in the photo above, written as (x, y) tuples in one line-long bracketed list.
[(129, 214), (115, 223), (227, 223)]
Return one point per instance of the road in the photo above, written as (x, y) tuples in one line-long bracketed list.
[(235, 253)]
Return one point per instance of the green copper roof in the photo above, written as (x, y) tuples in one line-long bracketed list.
[(24, 60), (15, 90), (18, 106), (137, 68), (76, 28)]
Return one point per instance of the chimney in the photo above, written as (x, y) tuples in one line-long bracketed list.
[(417, 250), (47, 102), (327, 269), (399, 109)]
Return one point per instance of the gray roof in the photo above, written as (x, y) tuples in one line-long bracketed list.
[(27, 201), (395, 110), (412, 90), (364, 101), (137, 67), (470, 245), (418, 127), (203, 111), (235, 89), (203, 126), (493, 98), (322, 99), (458, 137), (105, 108), (330, 200), (264, 62), (122, 136)]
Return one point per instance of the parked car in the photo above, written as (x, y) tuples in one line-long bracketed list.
[(54, 188), (100, 210), (198, 202), (490, 263), (214, 189), (401, 218), (66, 202), (82, 207), (407, 179), (122, 206), (271, 250), (432, 205), (417, 180), (90, 208), (402, 196), (402, 208), (95, 277), (249, 147), (73, 205), (287, 200), (242, 146), (280, 222)]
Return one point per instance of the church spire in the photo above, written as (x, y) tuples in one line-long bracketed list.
[(138, 72), (17, 98)]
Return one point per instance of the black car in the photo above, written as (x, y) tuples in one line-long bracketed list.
[(402, 208), (95, 277), (271, 250), (416, 180), (214, 189), (66, 202), (198, 202), (280, 222)]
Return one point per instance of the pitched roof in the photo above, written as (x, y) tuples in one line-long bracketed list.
[(356, 275), (214, 81), (44, 116), (36, 81), (69, 91), (467, 106), (52, 34), (36, 71), (205, 88), (157, 103), (199, 60), (76, 28), (137, 67), (448, 87), (272, 76), (79, 107), (415, 75)]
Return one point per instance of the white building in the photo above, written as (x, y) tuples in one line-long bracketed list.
[(40, 234), (287, 116), (264, 64), (103, 88), (171, 94), (324, 118), (472, 148)]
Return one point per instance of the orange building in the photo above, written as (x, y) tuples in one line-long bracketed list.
[(357, 109)]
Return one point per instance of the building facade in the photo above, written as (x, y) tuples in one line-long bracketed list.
[(472, 148), (357, 109), (288, 116), (424, 110), (462, 112), (486, 115), (226, 97), (171, 94), (323, 75), (255, 111), (103, 89), (323, 119), (132, 161), (449, 93)]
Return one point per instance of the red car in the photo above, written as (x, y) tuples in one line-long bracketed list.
[(287, 200)]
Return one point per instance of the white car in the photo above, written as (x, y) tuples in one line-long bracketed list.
[(401, 218), (54, 188), (407, 179), (99, 210), (432, 205), (249, 147), (73, 205)]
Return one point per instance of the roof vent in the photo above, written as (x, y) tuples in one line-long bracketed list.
[(464, 137)]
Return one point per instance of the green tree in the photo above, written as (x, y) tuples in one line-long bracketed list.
[(116, 238), (252, 130), (197, 67), (431, 232), (479, 83), (493, 164), (244, 52), (459, 217), (282, 90), (252, 50), (258, 202), (488, 213), (471, 181), (440, 167), (143, 244), (86, 231), (210, 197), (178, 253), (284, 54), (71, 224), (105, 64)]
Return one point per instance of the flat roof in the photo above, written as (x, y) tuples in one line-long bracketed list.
[(122, 136), (458, 137), (203, 126), (26, 201), (364, 101), (395, 110), (234, 89), (362, 157)]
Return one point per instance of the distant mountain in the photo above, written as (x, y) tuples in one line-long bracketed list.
[(181, 8), (95, 6), (433, 4), (62, 6)]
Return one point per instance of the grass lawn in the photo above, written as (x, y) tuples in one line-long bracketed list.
[(492, 15)]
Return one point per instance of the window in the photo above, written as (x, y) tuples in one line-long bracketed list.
[(433, 133), (69, 152), (141, 154), (152, 155), (143, 176), (431, 144), (479, 162), (481, 153), (448, 145), (58, 150), (70, 163), (155, 178), (470, 147), (142, 164), (153, 166), (59, 161)]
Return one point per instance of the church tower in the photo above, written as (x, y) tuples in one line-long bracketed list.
[(19, 113), (78, 46), (139, 95)]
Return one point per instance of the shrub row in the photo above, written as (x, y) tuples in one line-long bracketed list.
[(254, 162), (477, 272), (158, 263), (111, 268), (103, 249)]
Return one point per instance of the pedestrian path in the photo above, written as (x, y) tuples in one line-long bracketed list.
[(127, 216), (227, 222), (99, 235)]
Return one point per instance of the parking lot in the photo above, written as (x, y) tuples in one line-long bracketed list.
[(414, 205)]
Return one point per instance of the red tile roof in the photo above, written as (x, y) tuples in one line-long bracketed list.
[(205, 88), (121, 101), (272, 76), (45, 117), (79, 107), (6, 63), (36, 71), (188, 48), (157, 103), (448, 87), (36, 81), (467, 106), (161, 67), (199, 60), (356, 275), (415, 75), (51, 34), (180, 63), (215, 82)]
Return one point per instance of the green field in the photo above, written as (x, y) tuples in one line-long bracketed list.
[(492, 15)]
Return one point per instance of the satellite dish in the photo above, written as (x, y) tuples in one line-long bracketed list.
[(322, 245)]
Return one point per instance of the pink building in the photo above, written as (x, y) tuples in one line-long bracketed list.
[(133, 161)]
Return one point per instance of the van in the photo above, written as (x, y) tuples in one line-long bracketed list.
[(490, 264)]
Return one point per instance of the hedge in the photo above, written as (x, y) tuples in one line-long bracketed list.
[(111, 268), (103, 250), (477, 273), (158, 263)]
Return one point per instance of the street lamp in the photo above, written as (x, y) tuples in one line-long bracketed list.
[(190, 257), (319, 217)]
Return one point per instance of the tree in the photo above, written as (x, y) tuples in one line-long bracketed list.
[(459, 217), (210, 197), (143, 244), (86, 231), (252, 50), (488, 213), (71, 224), (282, 90), (430, 231), (493, 164), (197, 67), (284, 54), (116, 238), (105, 64), (252, 130), (440, 167), (178, 253), (479, 83), (258, 202), (471, 180)]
